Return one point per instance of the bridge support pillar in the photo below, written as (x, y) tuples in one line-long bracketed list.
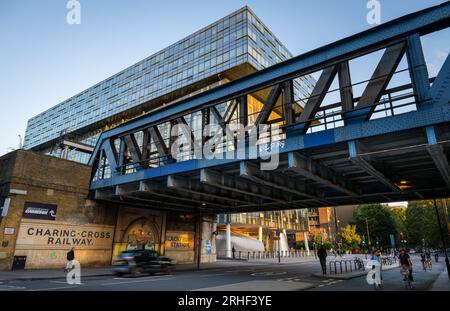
[(228, 239), (305, 239)]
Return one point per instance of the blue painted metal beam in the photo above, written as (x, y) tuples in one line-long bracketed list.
[(421, 22), (436, 114), (437, 154), (418, 69)]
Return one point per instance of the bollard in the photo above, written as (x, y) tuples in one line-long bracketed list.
[(239, 254), (340, 266), (254, 255), (248, 255)]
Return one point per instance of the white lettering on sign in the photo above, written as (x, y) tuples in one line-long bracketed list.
[(9, 231)]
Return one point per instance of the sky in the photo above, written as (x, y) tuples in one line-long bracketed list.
[(44, 60)]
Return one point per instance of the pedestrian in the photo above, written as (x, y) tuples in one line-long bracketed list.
[(376, 256), (70, 257), (322, 254), (436, 256), (233, 250)]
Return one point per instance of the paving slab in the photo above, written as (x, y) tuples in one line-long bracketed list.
[(261, 285), (442, 282)]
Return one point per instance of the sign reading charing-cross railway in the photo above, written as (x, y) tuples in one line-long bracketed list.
[(34, 210)]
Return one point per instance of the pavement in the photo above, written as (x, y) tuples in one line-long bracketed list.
[(50, 274), (292, 274), (442, 282), (352, 274), (428, 280)]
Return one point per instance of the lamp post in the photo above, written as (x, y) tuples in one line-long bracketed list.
[(368, 234), (447, 263)]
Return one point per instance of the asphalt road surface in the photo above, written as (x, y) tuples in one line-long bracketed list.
[(271, 276)]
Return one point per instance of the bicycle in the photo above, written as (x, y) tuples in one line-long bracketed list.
[(429, 263), (424, 265), (406, 277), (359, 263)]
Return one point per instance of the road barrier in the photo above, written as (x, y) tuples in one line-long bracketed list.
[(349, 265)]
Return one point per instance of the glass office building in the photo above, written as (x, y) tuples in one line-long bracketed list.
[(230, 48)]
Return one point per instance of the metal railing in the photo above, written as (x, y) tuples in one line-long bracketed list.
[(346, 265), (257, 255)]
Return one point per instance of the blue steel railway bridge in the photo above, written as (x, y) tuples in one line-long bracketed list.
[(387, 144)]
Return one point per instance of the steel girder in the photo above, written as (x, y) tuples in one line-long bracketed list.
[(398, 36)]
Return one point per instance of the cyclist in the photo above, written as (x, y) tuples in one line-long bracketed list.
[(405, 265), (429, 261), (423, 259)]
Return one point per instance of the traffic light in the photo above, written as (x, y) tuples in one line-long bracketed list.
[(401, 235)]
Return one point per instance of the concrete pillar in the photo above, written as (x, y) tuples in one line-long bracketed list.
[(305, 240), (65, 153), (260, 233), (228, 240)]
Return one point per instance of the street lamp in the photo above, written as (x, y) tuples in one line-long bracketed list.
[(447, 263)]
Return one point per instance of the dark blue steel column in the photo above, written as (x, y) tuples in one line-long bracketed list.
[(418, 69)]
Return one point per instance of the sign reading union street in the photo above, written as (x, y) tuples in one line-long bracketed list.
[(45, 235), (179, 240), (39, 211)]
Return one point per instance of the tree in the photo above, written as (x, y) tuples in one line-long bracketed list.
[(421, 224), (380, 222), (399, 215), (350, 237)]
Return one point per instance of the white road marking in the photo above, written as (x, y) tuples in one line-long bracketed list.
[(63, 282), (137, 281), (269, 273), (145, 277), (50, 288), (210, 275), (10, 287)]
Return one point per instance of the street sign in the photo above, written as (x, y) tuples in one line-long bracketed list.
[(391, 236), (9, 231), (5, 207), (278, 232)]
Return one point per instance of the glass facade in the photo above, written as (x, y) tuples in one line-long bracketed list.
[(239, 38), (296, 220)]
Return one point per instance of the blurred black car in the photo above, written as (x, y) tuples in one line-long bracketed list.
[(138, 262)]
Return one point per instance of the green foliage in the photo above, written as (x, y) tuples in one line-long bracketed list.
[(422, 226), (380, 220), (349, 237), (399, 215), (301, 245)]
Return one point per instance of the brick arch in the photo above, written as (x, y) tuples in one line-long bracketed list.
[(143, 221)]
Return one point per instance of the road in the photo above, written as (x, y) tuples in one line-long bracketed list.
[(239, 276)]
